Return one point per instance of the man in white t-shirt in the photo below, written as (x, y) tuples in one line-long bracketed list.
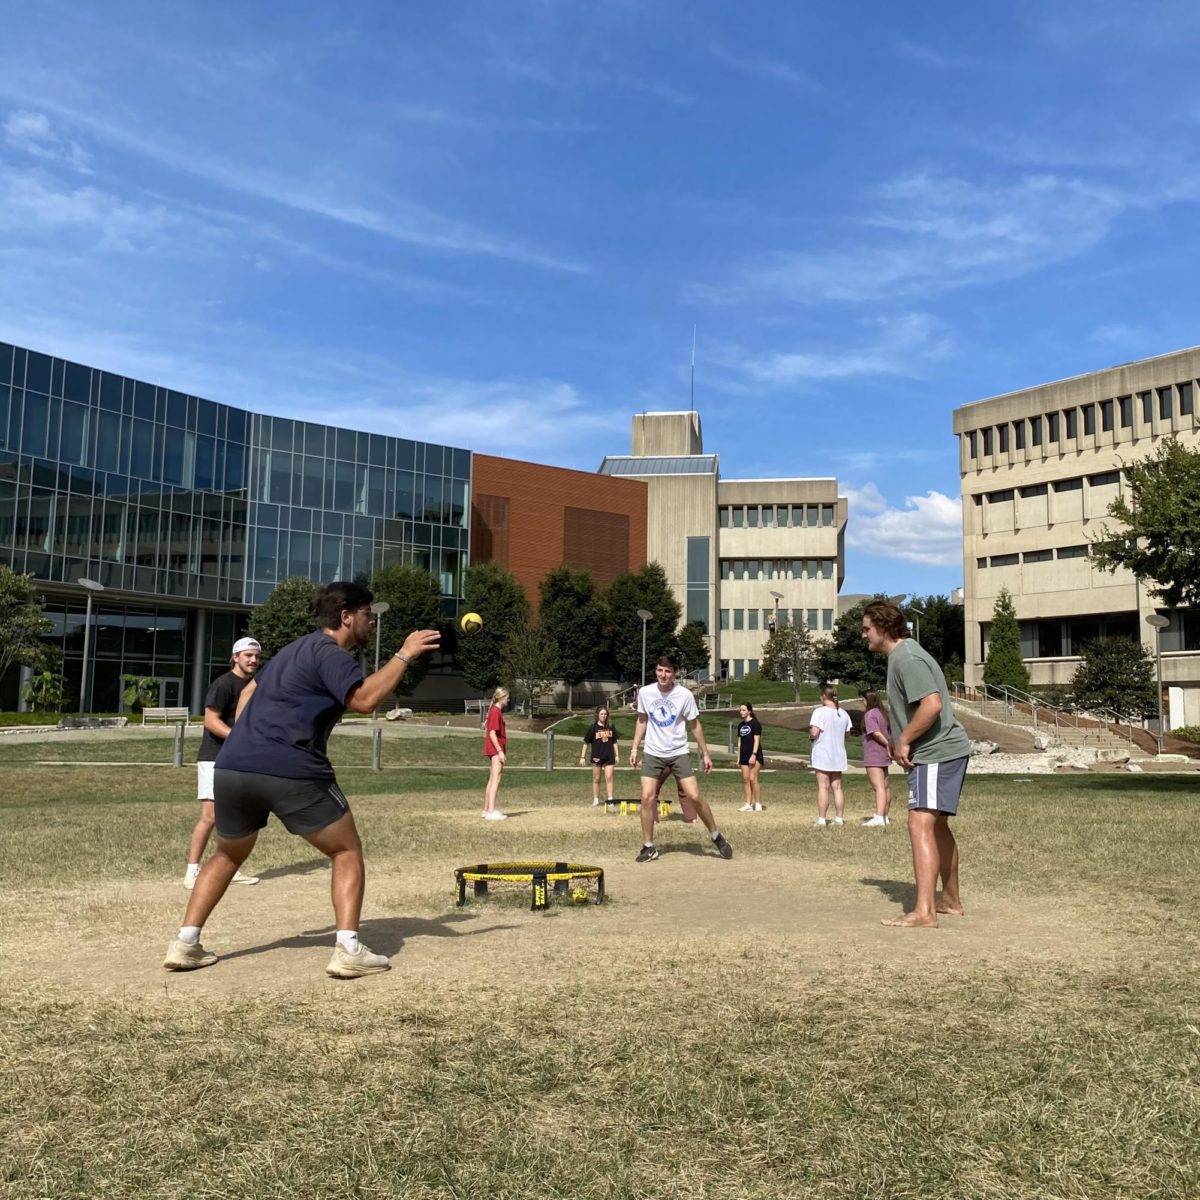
[(664, 710)]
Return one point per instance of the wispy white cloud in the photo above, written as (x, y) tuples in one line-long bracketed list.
[(396, 219), (927, 530), (896, 346), (929, 233), (929, 56), (31, 133), (439, 117), (774, 70)]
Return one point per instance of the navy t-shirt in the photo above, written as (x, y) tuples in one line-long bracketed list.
[(746, 733), (222, 698), (299, 695)]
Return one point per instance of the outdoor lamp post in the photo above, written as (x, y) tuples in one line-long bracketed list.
[(1158, 623), (645, 615), (377, 611), (90, 586), (918, 613), (777, 597)]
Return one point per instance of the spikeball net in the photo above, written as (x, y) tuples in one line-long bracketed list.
[(568, 881)]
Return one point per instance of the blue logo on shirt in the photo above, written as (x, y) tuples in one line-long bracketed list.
[(662, 714)]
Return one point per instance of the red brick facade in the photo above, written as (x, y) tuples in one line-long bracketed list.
[(529, 519)]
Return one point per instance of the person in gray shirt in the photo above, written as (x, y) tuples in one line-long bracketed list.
[(932, 746)]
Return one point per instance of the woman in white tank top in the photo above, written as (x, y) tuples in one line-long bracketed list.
[(828, 727)]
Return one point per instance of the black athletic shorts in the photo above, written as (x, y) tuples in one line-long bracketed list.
[(244, 800)]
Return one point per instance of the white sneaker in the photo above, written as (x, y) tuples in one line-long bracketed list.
[(344, 965), (876, 820), (821, 822), (495, 815), (887, 820), (838, 821), (189, 880), (238, 877), (759, 808), (746, 808), (595, 801)]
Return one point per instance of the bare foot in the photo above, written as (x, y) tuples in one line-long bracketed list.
[(910, 920), (950, 910)]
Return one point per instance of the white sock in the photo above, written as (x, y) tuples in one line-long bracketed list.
[(189, 934), (193, 870), (349, 939), (716, 833)]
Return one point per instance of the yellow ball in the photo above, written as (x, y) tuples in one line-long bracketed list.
[(471, 623), (579, 895)]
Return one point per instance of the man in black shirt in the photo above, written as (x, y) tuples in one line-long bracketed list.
[(220, 704)]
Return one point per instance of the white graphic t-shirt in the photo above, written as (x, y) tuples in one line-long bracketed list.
[(666, 731)]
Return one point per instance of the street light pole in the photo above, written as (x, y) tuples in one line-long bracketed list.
[(90, 586), (645, 615), (1158, 623), (377, 611), (777, 596), (918, 613)]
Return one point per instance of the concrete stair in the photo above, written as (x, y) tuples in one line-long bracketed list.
[(1085, 736)]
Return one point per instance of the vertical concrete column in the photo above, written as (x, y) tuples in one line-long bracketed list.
[(199, 659), (26, 675)]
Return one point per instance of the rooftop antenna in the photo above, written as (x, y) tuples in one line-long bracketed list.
[(692, 398)]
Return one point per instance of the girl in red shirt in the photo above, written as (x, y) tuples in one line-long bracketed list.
[(495, 738)]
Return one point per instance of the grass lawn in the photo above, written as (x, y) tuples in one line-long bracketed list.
[(716, 1029)]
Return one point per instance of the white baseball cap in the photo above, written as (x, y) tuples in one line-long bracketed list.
[(244, 644)]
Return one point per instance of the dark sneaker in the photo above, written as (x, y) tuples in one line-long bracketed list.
[(647, 854), (723, 847)]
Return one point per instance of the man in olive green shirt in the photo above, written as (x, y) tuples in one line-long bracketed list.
[(934, 749)]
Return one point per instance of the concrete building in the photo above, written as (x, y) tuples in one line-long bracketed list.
[(1039, 469), (739, 553)]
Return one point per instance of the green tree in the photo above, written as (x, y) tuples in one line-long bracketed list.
[(286, 614), (1160, 512), (1003, 665), (789, 655), (1116, 673), (414, 599), (845, 656), (691, 650), (942, 629), (141, 691), (22, 623), (529, 664), (645, 589), (501, 601), (572, 615)]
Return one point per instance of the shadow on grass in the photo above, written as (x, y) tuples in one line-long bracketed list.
[(898, 891), (307, 867), (385, 935)]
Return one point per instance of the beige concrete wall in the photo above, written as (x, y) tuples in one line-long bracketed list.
[(1056, 513), (667, 433)]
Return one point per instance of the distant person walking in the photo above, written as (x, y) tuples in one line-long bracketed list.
[(934, 749), (665, 710), (602, 738), (220, 704), (274, 761), (750, 758), (495, 739), (827, 727), (877, 754)]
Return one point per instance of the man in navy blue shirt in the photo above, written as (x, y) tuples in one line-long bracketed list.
[(274, 761)]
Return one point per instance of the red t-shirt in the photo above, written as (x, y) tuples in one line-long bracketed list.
[(495, 721)]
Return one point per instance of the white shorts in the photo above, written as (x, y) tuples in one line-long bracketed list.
[(204, 780)]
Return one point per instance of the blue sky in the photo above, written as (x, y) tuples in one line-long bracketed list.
[(497, 224)]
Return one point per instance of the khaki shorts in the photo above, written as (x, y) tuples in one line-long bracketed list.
[(680, 766)]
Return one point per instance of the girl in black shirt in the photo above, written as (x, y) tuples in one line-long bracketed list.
[(750, 758), (602, 738)]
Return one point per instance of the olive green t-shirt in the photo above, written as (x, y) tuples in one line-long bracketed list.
[(912, 675)]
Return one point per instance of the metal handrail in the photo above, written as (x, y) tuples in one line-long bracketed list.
[(1010, 697)]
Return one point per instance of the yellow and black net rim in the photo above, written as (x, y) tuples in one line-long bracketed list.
[(545, 879)]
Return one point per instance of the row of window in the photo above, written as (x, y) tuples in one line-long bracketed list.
[(1030, 491), (776, 516), (749, 618), (738, 668), (777, 568), (1084, 420), (1032, 556)]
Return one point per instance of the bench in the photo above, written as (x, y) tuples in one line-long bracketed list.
[(476, 706), (165, 714)]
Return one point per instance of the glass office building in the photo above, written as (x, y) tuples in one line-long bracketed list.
[(188, 512)]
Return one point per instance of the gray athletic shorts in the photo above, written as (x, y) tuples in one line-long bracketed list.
[(937, 786), (244, 800), (680, 766)]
